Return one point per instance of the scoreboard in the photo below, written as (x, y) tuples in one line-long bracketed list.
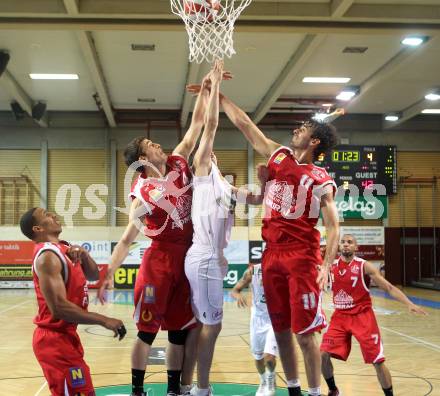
[(362, 166)]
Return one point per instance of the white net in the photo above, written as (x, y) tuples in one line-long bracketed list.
[(210, 26)]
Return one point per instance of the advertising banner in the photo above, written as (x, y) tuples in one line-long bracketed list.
[(16, 252), (125, 276), (234, 274), (136, 251), (237, 252), (360, 208), (256, 249), (363, 235), (16, 272), (99, 250)]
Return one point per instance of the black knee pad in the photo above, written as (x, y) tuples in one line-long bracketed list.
[(148, 338), (177, 337)]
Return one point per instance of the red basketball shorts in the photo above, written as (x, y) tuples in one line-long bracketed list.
[(363, 326), (61, 356), (162, 293), (293, 297)]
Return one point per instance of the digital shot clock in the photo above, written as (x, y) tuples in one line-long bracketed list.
[(363, 166)]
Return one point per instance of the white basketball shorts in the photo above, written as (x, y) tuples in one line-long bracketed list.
[(205, 273), (262, 337)]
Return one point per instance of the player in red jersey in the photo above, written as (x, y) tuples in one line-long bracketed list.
[(161, 203), (354, 315), (59, 273), (293, 277)]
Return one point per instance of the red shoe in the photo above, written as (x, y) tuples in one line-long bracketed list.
[(334, 393)]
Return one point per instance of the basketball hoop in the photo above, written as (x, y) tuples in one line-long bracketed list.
[(210, 26)]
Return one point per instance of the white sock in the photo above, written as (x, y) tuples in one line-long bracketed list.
[(315, 391), (293, 383), (262, 377)]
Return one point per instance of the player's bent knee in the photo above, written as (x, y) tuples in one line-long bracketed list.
[(305, 340), (146, 337), (269, 357), (177, 337), (258, 356)]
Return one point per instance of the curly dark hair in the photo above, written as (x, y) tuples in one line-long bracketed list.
[(27, 222), (133, 151), (326, 133)]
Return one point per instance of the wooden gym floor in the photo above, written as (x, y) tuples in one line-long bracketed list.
[(412, 348)]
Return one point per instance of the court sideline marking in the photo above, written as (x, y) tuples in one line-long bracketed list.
[(41, 388), (415, 340)]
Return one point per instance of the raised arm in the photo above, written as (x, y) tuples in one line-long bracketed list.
[(252, 133), (49, 269), (393, 291), (331, 223), (202, 158), (186, 146)]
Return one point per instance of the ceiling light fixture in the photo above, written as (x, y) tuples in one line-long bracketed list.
[(433, 96), (326, 80), (392, 117), (431, 111), (413, 41), (348, 93), (320, 117), (52, 76)]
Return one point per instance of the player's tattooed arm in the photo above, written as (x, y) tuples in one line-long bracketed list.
[(244, 282), (51, 277), (392, 290), (331, 223)]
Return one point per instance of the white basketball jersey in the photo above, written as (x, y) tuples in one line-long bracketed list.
[(212, 216), (259, 306)]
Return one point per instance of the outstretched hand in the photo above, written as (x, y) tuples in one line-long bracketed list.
[(322, 278), (206, 83), (241, 299), (216, 74), (106, 284), (415, 309)]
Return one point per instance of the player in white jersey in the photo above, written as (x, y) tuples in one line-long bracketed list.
[(263, 343), (212, 216)]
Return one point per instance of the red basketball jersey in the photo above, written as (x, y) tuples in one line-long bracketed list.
[(74, 279), (168, 202), (292, 200), (350, 286)]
